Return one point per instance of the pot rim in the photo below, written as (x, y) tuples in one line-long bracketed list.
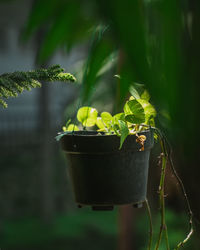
[(94, 133), (83, 142)]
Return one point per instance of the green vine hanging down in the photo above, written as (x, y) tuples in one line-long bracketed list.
[(137, 116), (12, 84)]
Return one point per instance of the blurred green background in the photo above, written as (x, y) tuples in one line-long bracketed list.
[(153, 42)]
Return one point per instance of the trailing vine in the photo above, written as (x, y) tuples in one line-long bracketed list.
[(163, 226), (189, 210), (165, 157), (137, 116)]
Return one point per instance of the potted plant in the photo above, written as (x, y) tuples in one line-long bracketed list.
[(109, 164)]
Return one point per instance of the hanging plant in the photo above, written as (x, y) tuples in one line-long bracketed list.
[(109, 155), (109, 159)]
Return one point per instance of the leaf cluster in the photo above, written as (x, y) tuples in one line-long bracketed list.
[(11, 84), (138, 114)]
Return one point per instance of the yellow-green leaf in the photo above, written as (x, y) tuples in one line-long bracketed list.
[(134, 112), (87, 116), (64, 128), (107, 118), (100, 123), (117, 117), (145, 95), (72, 127), (149, 110)]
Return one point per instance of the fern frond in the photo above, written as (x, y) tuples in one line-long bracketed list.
[(12, 84)]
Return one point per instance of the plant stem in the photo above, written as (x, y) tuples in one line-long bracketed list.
[(166, 149), (150, 224), (190, 213), (163, 226)]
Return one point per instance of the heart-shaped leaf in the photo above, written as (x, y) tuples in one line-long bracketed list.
[(134, 112), (87, 116), (100, 123), (107, 119), (149, 110)]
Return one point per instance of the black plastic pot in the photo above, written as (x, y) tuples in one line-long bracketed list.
[(104, 176)]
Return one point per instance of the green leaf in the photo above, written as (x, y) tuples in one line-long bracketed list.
[(117, 117), (151, 122), (100, 123), (134, 112), (132, 119), (60, 30), (87, 116), (134, 92), (100, 52), (149, 110), (124, 131), (41, 11), (67, 123), (107, 119), (145, 95), (108, 64), (72, 127), (116, 129)]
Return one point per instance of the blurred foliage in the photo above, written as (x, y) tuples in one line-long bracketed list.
[(83, 229), (157, 44), (64, 231), (154, 39), (177, 226)]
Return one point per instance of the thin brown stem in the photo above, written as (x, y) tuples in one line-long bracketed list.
[(190, 213)]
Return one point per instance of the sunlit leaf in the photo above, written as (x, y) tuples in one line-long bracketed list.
[(109, 63), (132, 119), (134, 92), (106, 118), (149, 110), (117, 117), (134, 112), (87, 116), (131, 98), (145, 95), (72, 127), (100, 123), (64, 128), (124, 131)]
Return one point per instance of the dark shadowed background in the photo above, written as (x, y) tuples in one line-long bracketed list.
[(154, 42)]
